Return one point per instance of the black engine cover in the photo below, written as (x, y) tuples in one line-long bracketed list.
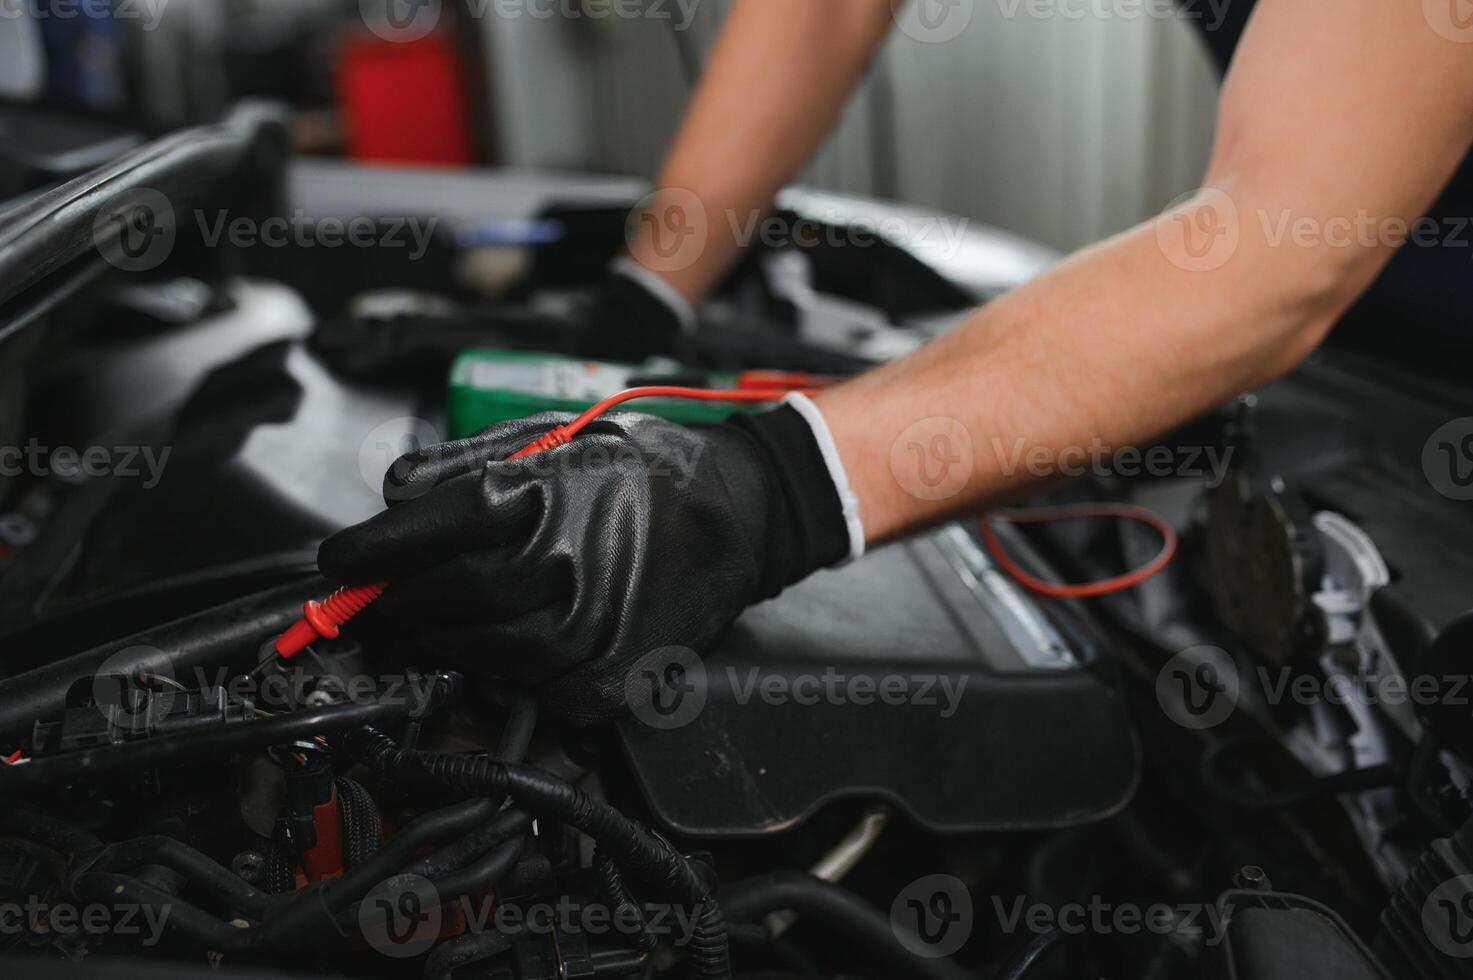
[(958, 701)]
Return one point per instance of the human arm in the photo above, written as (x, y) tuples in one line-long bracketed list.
[(774, 86), (1318, 131)]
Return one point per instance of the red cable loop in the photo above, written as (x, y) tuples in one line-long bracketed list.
[(1087, 590)]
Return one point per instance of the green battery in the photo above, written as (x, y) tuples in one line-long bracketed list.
[(491, 386)]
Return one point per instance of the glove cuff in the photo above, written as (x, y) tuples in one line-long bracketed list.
[(807, 527), (649, 314), (655, 284)]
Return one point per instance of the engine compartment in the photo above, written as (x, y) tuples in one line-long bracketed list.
[(911, 766)]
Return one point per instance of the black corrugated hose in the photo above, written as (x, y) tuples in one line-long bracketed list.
[(635, 851), (621, 903)]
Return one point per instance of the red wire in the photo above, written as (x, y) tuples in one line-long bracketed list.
[(322, 619), (562, 434), (1088, 590)]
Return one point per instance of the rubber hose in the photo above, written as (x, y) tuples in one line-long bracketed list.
[(293, 919), (508, 824), (197, 868), (635, 851), (475, 947), (210, 932), (36, 824), (1022, 961), (481, 875), (427, 829), (516, 737), (754, 899)]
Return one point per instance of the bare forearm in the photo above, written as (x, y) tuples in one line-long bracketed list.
[(1136, 335), (776, 83), (1107, 350)]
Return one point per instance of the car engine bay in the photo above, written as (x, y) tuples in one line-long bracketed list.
[(1256, 763)]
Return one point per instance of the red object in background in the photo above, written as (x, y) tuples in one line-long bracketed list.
[(404, 101)]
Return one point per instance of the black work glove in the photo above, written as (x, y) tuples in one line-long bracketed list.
[(562, 570), (627, 321)]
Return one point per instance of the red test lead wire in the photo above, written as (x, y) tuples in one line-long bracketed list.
[(322, 620), (563, 434)]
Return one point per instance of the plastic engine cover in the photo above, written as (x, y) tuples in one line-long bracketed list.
[(919, 675)]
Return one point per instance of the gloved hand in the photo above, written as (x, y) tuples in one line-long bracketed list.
[(634, 314), (562, 570)]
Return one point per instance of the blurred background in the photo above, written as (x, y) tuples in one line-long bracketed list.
[(1062, 128)]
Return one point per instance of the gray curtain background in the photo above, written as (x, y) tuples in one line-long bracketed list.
[(1060, 120)]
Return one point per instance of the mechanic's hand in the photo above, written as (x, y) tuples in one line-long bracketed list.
[(634, 314), (562, 570)]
